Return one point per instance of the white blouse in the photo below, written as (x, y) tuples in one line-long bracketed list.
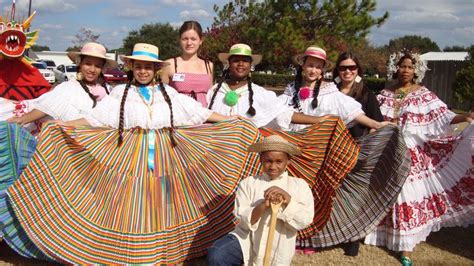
[(67, 101), (330, 102), (270, 111), (154, 114)]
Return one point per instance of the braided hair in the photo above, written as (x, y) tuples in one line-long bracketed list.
[(168, 101), (225, 75), (100, 80), (251, 110), (124, 99), (86, 89), (297, 85), (298, 82), (314, 102), (122, 106)]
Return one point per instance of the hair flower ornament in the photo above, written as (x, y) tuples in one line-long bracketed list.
[(419, 65)]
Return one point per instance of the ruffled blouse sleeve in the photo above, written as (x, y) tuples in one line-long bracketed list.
[(65, 102), (421, 112)]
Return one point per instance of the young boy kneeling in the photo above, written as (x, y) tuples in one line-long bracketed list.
[(246, 244)]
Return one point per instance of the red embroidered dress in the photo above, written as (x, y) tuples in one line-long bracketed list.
[(439, 190)]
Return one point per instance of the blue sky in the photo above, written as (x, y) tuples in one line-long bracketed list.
[(446, 22)]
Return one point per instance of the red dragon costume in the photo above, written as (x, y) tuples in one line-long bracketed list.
[(20, 82)]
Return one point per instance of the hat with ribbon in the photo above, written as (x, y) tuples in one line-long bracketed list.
[(145, 52), (94, 50), (274, 143), (313, 51), (240, 49)]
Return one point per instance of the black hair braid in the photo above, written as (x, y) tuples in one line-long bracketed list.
[(251, 110), (314, 102), (103, 82), (122, 106), (86, 89), (297, 86), (225, 74), (168, 101)]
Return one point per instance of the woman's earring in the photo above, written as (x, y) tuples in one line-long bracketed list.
[(79, 76), (358, 79), (337, 80)]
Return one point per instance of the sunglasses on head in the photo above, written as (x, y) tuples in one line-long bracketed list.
[(344, 68)]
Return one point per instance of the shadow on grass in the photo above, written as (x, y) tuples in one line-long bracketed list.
[(456, 240)]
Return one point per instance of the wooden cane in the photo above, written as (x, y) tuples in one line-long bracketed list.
[(271, 232)]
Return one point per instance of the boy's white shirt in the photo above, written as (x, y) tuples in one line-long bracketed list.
[(297, 215)]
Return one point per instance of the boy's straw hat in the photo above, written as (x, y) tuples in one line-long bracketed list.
[(274, 143)]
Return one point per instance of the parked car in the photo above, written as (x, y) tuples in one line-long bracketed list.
[(115, 76), (47, 74), (65, 72), (49, 64)]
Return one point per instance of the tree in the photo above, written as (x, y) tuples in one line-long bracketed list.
[(82, 37), (413, 43), (455, 48), (464, 84), (280, 29), (162, 35), (373, 59), (40, 48)]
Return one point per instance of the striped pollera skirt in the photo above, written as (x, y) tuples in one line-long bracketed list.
[(84, 200), (368, 192), (17, 146)]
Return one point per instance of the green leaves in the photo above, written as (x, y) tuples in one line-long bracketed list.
[(280, 29)]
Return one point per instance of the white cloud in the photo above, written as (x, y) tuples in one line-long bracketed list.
[(51, 26), (132, 12), (445, 22), (194, 14), (175, 2), (46, 6)]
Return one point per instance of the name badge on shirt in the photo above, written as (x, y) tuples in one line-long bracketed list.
[(178, 77)]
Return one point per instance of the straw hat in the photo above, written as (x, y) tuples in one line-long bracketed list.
[(274, 143), (145, 52), (240, 49), (313, 51), (95, 50)]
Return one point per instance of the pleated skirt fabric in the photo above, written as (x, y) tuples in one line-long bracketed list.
[(370, 189), (83, 200)]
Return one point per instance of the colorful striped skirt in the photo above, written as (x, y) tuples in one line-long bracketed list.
[(369, 191), (84, 200), (17, 146)]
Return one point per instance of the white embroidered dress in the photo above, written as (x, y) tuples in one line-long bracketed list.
[(330, 102), (270, 111), (152, 114), (439, 189)]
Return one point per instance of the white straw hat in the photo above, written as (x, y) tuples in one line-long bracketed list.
[(145, 52)]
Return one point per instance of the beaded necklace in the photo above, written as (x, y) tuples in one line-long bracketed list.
[(400, 95)]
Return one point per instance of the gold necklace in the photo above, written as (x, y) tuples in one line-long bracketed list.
[(400, 95), (152, 100)]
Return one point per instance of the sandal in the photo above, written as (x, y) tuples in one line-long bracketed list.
[(406, 261)]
